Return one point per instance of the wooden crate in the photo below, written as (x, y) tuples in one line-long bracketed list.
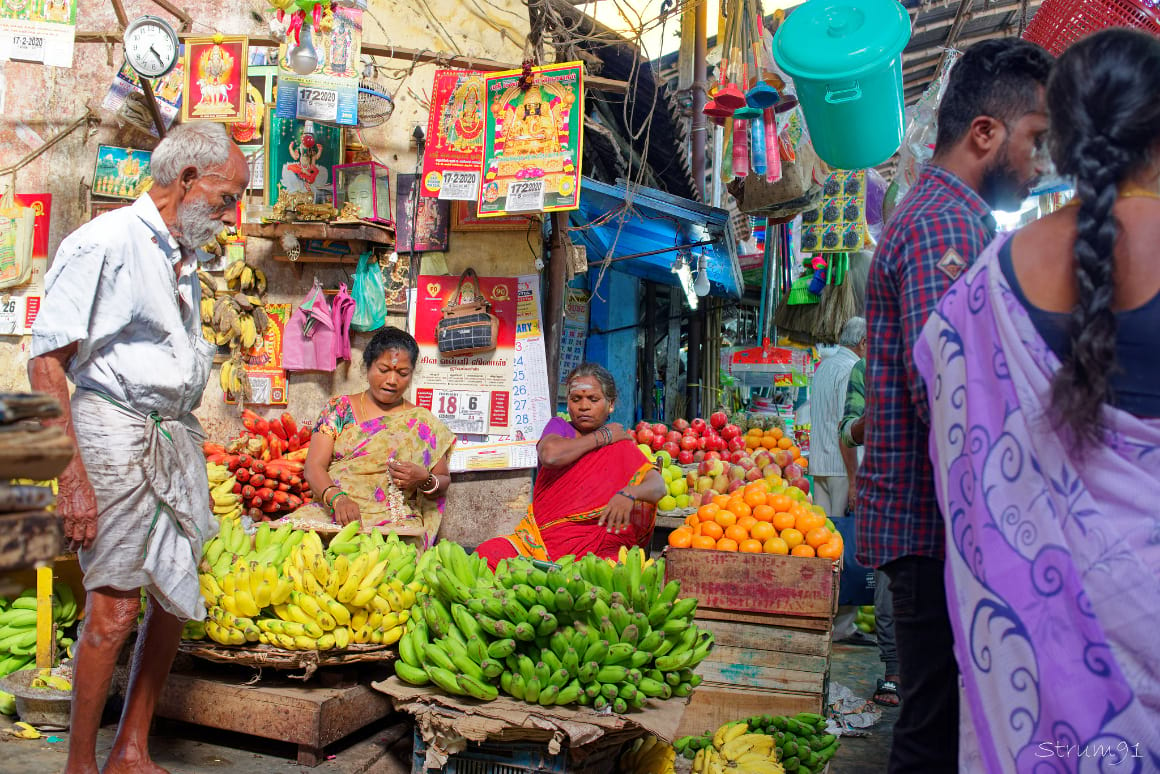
[(772, 619), (311, 717)]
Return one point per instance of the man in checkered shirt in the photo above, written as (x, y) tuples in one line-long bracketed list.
[(992, 126)]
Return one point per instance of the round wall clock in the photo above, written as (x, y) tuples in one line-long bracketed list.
[(151, 46)]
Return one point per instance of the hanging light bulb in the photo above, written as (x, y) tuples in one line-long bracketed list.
[(701, 286), (303, 57)]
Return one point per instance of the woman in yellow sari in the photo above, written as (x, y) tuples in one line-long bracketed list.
[(375, 457)]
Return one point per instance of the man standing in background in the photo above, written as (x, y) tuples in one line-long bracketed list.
[(832, 463)]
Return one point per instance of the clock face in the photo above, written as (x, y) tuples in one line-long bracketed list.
[(151, 47)]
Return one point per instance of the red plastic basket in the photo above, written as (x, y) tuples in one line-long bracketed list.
[(1059, 23)]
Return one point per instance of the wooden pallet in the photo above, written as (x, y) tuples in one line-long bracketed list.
[(772, 619), (311, 717)]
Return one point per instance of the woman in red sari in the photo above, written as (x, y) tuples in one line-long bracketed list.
[(595, 491)]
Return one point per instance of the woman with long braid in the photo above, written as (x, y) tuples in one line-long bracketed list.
[(1044, 390)]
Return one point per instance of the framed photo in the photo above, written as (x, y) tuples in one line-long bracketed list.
[(98, 207), (432, 233), (122, 173), (398, 279), (466, 218), (300, 157), (215, 79), (256, 158)]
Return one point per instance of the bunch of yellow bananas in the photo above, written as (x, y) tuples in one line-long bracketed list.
[(287, 590), (625, 555), (649, 755), (226, 502), (735, 749)]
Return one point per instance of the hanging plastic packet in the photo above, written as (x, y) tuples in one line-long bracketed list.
[(757, 143), (740, 149)]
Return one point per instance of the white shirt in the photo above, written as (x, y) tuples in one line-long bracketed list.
[(827, 404), (114, 289)]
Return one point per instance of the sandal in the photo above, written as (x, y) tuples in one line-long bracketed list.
[(886, 688)]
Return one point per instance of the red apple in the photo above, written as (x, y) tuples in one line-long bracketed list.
[(673, 436), (729, 432), (720, 444), (685, 457), (659, 429), (694, 499), (782, 458), (770, 470), (691, 480), (736, 456), (703, 443), (747, 462), (736, 484), (718, 419), (681, 424), (753, 474), (643, 427), (762, 458), (698, 455), (704, 484), (698, 426), (735, 444), (792, 471), (713, 454), (657, 442), (688, 443), (801, 484), (736, 473), (672, 449), (708, 495), (721, 483)]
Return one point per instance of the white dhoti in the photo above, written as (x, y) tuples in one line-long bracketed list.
[(154, 515)]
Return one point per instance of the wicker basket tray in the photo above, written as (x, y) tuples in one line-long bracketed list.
[(265, 656)]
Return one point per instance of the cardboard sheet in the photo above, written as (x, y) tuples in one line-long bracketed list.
[(447, 723)]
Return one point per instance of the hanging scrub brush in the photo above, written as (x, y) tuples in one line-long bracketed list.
[(839, 300)]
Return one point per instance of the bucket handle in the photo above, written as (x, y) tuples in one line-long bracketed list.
[(850, 93)]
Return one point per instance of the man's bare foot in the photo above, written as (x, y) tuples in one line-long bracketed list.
[(91, 768), (887, 693), (131, 763)]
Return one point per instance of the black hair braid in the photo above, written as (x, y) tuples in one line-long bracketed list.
[(1083, 383), (1104, 107)]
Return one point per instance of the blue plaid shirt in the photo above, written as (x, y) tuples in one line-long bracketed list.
[(931, 239)]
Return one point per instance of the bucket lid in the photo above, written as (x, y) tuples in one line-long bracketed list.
[(824, 39)]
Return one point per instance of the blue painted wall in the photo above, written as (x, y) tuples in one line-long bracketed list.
[(617, 306)]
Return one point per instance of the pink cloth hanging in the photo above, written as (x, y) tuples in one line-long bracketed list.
[(342, 312), (309, 342)]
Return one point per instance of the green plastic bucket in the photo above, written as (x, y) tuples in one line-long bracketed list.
[(845, 59)]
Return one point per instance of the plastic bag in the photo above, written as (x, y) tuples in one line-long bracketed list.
[(370, 295)]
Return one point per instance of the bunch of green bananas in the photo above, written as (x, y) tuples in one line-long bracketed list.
[(18, 626), (800, 743), (649, 755), (285, 590), (226, 503), (582, 631)]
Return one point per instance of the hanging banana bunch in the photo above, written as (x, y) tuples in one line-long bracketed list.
[(233, 379)]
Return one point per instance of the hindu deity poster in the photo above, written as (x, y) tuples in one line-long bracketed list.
[(126, 98), (330, 93), (300, 158), (122, 173), (453, 158), (533, 141), (215, 79)]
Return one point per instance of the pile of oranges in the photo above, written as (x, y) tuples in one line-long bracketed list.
[(753, 520), (774, 440)]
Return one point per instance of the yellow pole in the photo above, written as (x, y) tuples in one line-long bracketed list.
[(45, 640)]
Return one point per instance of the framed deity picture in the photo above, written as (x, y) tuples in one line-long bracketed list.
[(432, 232), (466, 218), (215, 79), (99, 207), (300, 157), (122, 173)]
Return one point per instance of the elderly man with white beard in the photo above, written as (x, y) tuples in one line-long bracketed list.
[(121, 320)]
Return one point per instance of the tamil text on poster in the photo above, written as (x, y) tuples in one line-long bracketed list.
[(472, 393), (453, 157), (533, 141), (38, 31), (330, 93)]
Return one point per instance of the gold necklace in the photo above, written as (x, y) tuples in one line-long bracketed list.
[(1127, 192)]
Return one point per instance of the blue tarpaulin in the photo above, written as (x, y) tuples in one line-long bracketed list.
[(625, 221)]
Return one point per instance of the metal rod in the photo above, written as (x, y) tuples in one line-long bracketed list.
[(703, 243), (415, 55), (554, 313), (151, 103), (700, 85)]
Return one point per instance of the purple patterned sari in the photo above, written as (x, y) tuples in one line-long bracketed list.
[(1053, 560)]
